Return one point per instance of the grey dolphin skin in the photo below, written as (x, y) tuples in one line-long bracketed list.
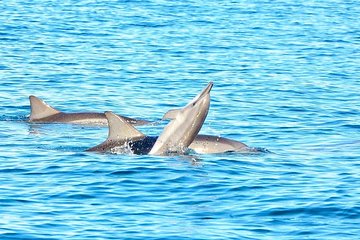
[(184, 126), (41, 112), (207, 144)]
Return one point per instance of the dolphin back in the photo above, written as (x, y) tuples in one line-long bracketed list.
[(120, 133), (207, 144)]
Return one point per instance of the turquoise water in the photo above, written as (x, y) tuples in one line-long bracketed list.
[(286, 78)]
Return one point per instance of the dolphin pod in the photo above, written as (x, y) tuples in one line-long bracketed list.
[(41, 112), (178, 136)]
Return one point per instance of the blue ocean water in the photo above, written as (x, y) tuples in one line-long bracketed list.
[(286, 78)]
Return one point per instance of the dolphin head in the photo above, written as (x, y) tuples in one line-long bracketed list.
[(185, 124), (195, 112), (200, 101)]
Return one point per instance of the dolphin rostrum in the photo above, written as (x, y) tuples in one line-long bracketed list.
[(184, 126), (41, 112)]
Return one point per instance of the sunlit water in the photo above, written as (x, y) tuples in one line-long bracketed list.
[(286, 78)]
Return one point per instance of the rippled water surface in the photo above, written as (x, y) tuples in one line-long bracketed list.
[(286, 78)]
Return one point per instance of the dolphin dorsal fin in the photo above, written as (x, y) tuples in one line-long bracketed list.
[(171, 114), (40, 109), (120, 129)]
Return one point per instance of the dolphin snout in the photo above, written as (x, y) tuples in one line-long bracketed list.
[(203, 93), (207, 89)]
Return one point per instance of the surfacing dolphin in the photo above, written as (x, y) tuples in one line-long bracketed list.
[(207, 144), (41, 112), (184, 126), (124, 137), (176, 136)]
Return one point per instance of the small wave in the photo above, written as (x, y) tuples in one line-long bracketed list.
[(13, 170), (17, 235), (124, 172), (356, 126), (324, 211), (19, 118), (80, 196), (259, 150)]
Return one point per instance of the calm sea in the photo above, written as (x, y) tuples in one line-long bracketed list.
[(286, 78)]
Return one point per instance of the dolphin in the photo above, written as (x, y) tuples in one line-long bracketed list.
[(41, 112), (207, 144), (123, 135), (184, 126)]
